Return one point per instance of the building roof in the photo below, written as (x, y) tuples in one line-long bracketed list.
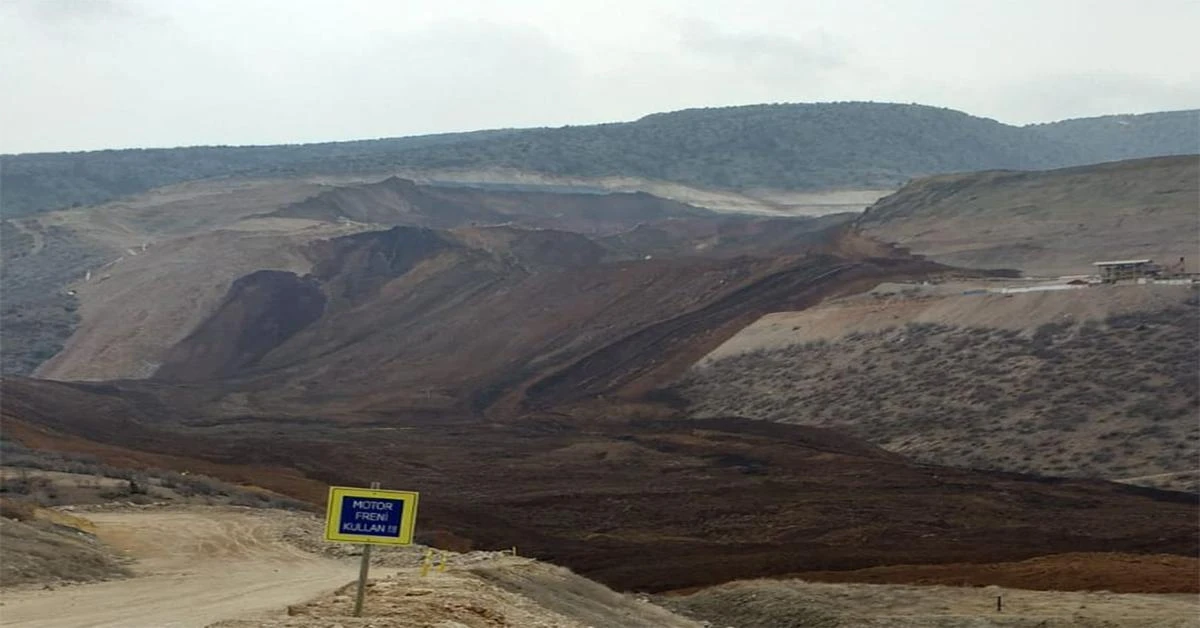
[(1122, 262)]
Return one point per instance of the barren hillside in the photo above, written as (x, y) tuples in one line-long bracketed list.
[(507, 352), (42, 545), (1055, 222), (795, 603), (141, 275), (633, 501), (952, 303), (1099, 382), (541, 309), (52, 265)]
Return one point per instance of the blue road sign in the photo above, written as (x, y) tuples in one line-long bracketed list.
[(359, 515), (375, 517)]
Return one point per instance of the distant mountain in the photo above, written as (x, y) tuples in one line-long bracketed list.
[(35, 182), (1111, 138), (787, 146)]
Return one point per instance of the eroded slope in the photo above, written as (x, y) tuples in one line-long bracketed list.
[(420, 319), (168, 260), (1099, 382)]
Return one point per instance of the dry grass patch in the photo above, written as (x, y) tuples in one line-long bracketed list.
[(1106, 399), (796, 604)]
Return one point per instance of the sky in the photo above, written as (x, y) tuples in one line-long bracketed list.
[(93, 74)]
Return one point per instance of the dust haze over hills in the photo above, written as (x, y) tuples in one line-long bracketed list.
[(514, 350), (787, 146)]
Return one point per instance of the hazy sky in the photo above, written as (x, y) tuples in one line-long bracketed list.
[(86, 74)]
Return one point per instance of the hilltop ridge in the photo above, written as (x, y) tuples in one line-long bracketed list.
[(1052, 222), (805, 146)]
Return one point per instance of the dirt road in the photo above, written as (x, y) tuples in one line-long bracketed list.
[(242, 568), (193, 568)]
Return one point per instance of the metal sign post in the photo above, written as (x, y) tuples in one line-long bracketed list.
[(369, 516), (363, 569)]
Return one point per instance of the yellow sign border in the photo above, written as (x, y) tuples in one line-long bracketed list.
[(333, 515)]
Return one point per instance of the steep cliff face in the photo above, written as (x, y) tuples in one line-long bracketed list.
[(263, 309)]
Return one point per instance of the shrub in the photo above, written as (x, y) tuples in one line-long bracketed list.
[(18, 509)]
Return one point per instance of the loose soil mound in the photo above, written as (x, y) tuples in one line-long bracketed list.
[(262, 310), (548, 320), (150, 272)]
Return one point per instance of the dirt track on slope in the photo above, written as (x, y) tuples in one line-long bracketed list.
[(192, 568)]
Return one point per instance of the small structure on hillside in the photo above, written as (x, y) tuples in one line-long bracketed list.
[(1121, 270)]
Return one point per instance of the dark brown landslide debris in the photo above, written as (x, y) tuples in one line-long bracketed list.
[(516, 379)]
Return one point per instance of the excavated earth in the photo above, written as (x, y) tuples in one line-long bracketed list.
[(514, 377), (635, 503), (496, 320), (135, 278)]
